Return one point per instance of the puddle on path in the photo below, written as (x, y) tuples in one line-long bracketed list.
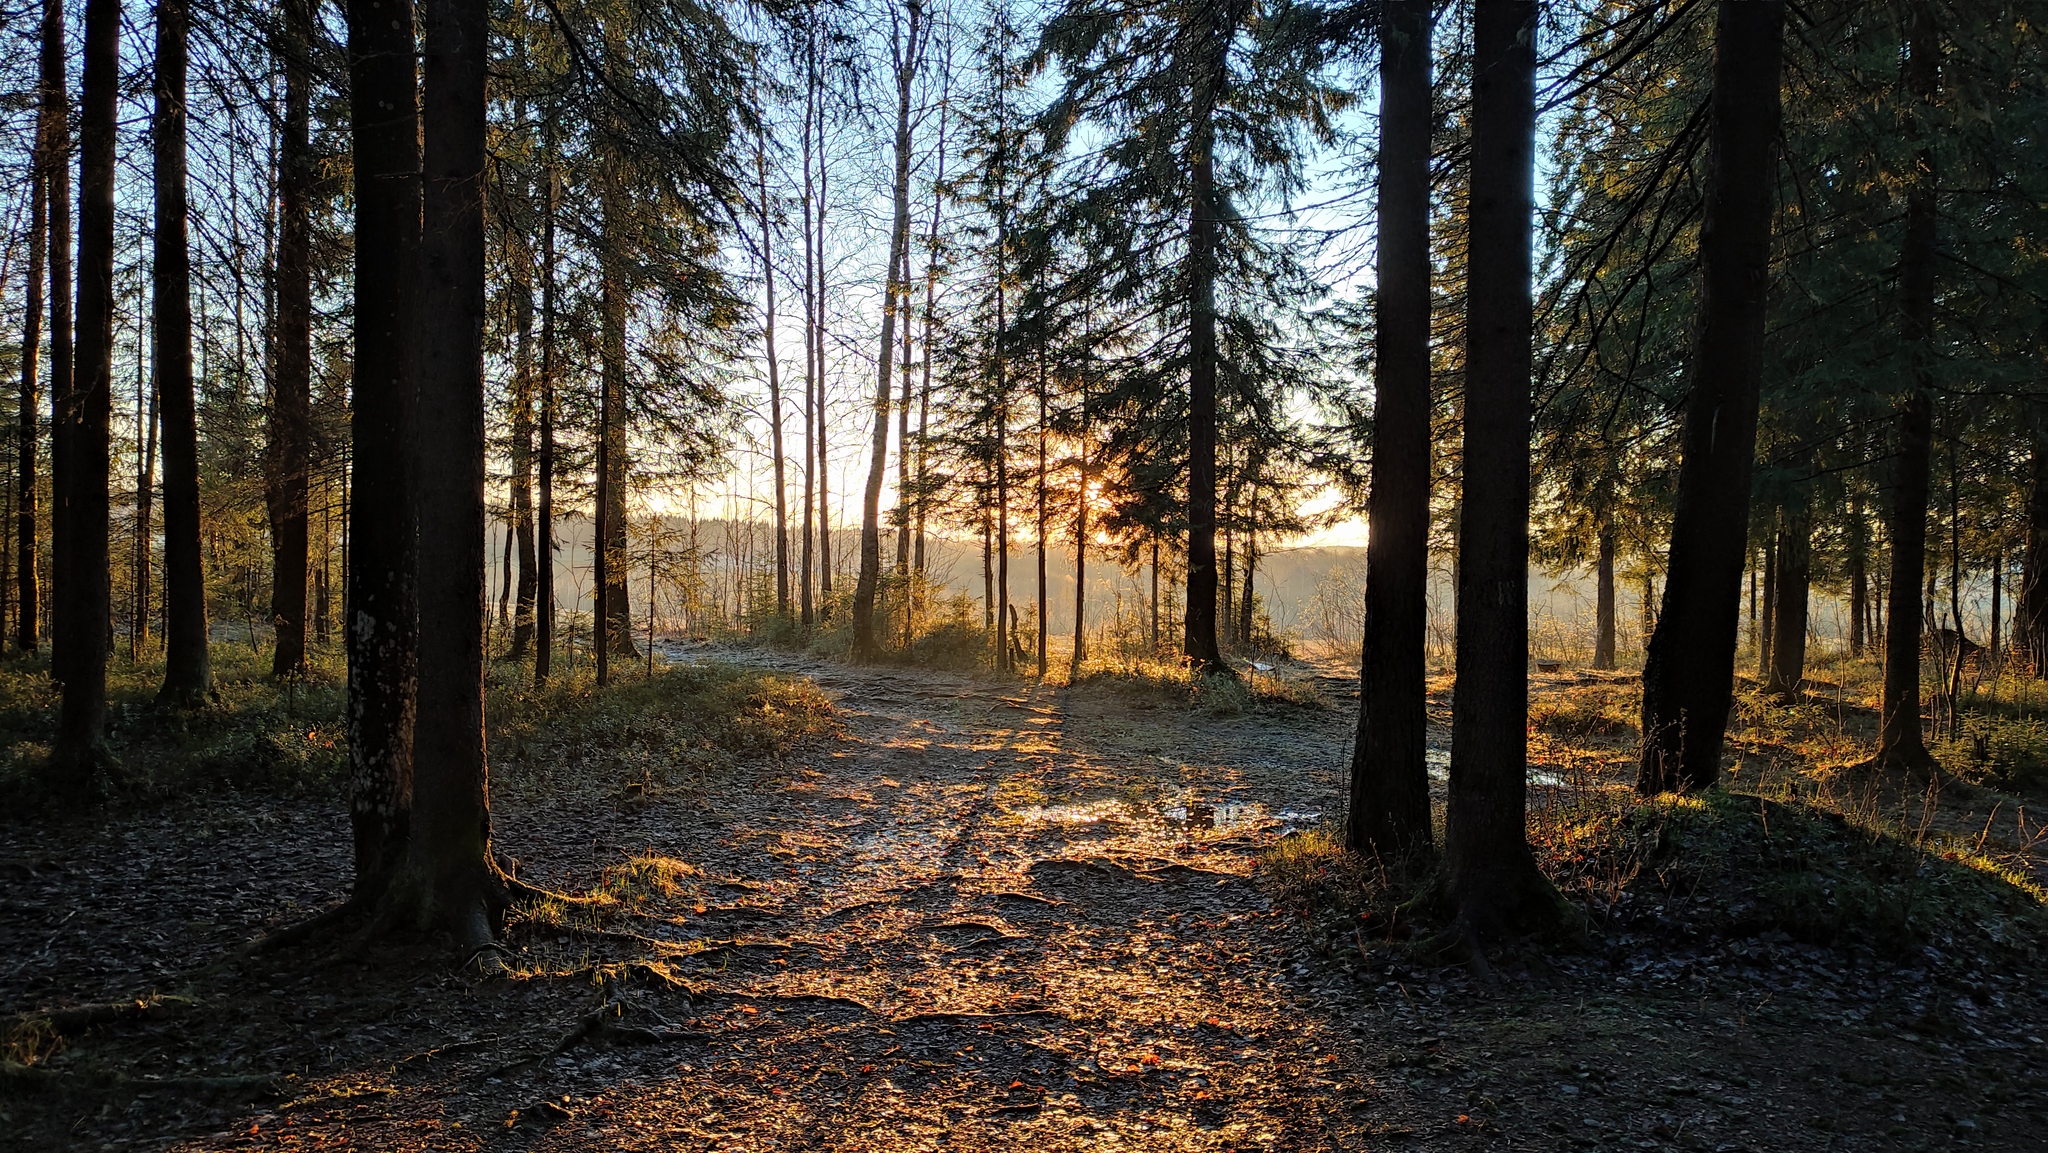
[(1439, 762), (1184, 814)]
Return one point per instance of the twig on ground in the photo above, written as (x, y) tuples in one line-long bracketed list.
[(942, 1018)]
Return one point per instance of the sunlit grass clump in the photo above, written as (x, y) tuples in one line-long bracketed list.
[(668, 729), (1172, 682), (1732, 866), (1588, 711), (1717, 868)]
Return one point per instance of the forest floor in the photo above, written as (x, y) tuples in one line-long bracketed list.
[(980, 913)]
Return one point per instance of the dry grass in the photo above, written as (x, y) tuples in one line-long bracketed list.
[(1170, 682)]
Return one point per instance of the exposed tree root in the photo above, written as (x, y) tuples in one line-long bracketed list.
[(523, 893), (30, 1078), (614, 935), (603, 1024), (298, 931), (85, 1016), (820, 998)]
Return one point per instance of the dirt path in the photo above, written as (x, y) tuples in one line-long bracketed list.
[(997, 914)]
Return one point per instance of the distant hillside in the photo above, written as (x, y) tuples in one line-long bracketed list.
[(1313, 595)]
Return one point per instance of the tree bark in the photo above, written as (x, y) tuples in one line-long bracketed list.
[(774, 394), (1859, 575), (544, 505), (2031, 625), (188, 667), (28, 419), (291, 413), (1788, 614), (1603, 605), (1200, 644), (1900, 743), (79, 759), (1689, 665), (520, 259), (382, 620), (53, 129), (818, 333), (813, 370), (1490, 875), (450, 879), (1997, 648), (1389, 810), (615, 623), (522, 458), (1764, 650), (1080, 549), (895, 293), (145, 485), (1040, 486)]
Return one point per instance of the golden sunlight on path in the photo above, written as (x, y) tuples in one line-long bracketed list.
[(969, 926), (998, 916)]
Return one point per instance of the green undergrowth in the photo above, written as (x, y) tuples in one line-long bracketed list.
[(1174, 684), (254, 734), (667, 730), (1726, 865), (259, 735), (1997, 750), (1712, 869)]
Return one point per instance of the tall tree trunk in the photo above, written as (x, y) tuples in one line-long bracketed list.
[(1005, 625), (1689, 665), (1001, 460), (1251, 568), (382, 629), (1080, 548), (818, 334), (615, 635), (1490, 875), (1764, 647), (774, 391), (544, 510), (1788, 615), (1997, 607), (2031, 623), (1199, 641), (1952, 675), (188, 668), (522, 454), (291, 412), (450, 879), (1226, 579), (1603, 605), (28, 419), (145, 485), (1900, 742), (519, 258), (895, 293), (931, 298), (1859, 575), (899, 518), (812, 369), (1154, 599), (79, 759), (1041, 495), (54, 130)]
